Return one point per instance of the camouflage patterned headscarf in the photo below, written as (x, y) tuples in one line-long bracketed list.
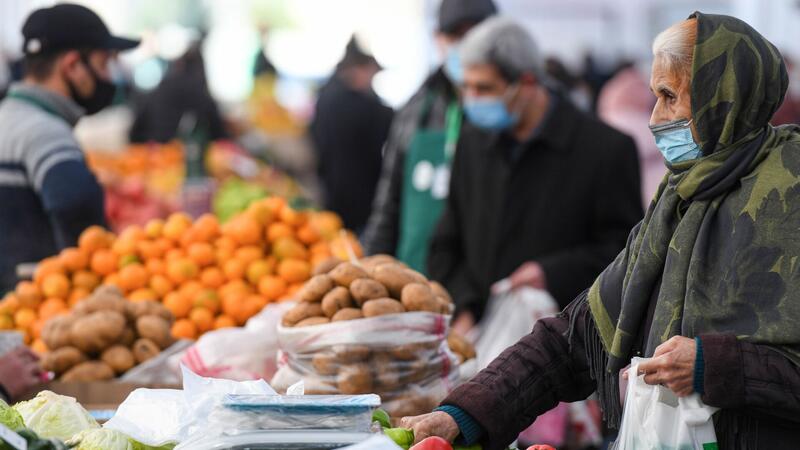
[(719, 245)]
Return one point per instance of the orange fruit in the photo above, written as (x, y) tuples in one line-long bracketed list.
[(142, 294), (46, 267), (55, 285), (207, 227), (52, 307), (257, 270), (244, 229), (174, 254), (132, 277), (111, 280), (178, 305), (77, 295), (28, 294), (164, 244), (153, 228), (293, 217), (249, 253), (124, 246), (294, 270), (127, 259), (132, 233), (202, 253), (288, 247), (272, 287), (24, 318), (94, 238), (293, 289), (234, 287), (234, 269), (184, 329), (74, 259), (155, 267), (279, 230), (182, 270), (318, 259), (208, 299), (212, 277), (307, 234), (86, 280), (104, 262), (202, 318), (190, 289), (252, 305), (225, 242), (161, 285), (149, 250), (10, 304), (176, 225), (224, 322), (39, 347), (261, 212), (232, 303), (275, 203), (6, 322), (191, 236)]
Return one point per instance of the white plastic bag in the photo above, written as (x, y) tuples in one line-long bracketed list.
[(256, 348), (511, 315), (654, 418)]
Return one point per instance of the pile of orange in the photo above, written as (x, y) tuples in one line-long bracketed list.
[(210, 275)]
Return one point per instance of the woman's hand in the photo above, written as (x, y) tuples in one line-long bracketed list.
[(672, 365)]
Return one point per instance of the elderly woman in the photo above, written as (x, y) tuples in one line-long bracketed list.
[(709, 282)]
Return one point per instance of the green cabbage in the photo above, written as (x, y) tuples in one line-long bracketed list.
[(139, 446), (9, 417), (100, 439), (55, 416)]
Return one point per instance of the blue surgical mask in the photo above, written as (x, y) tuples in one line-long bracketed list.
[(489, 113), (452, 66), (675, 141)]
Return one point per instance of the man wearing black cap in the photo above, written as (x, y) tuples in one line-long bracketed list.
[(349, 128), (421, 144), (47, 192)]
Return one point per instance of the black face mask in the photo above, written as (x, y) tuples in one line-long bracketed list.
[(102, 96)]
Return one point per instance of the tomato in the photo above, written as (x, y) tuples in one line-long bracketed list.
[(433, 443), (541, 447)]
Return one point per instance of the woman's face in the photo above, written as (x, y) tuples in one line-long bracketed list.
[(672, 91)]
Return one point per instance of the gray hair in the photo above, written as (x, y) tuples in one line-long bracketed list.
[(675, 46), (504, 44)]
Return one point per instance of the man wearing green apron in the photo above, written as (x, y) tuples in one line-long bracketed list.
[(421, 143)]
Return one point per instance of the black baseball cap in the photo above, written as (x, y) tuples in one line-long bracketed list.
[(455, 14), (67, 26)]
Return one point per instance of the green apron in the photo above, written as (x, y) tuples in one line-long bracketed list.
[(426, 181)]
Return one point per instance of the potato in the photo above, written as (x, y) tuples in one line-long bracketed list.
[(387, 377), (351, 353), (419, 297), (326, 266), (371, 262), (410, 404), (56, 332), (128, 337), (418, 277), (417, 371), (89, 371), (156, 329), (440, 291), (301, 311), (355, 379), (315, 386), (394, 277), (149, 308), (445, 307), (144, 349), (325, 364), (119, 358), (97, 331), (347, 314), (311, 321), (345, 273), (62, 359), (407, 352), (335, 300), (104, 298), (460, 345), (365, 289), (316, 288), (382, 306)]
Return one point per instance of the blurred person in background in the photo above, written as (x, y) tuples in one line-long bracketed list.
[(625, 103), (706, 288), (20, 372), (422, 141), (575, 88), (184, 90), (349, 128), (540, 193), (47, 192), (789, 111)]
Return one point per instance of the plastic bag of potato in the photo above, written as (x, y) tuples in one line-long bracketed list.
[(372, 326)]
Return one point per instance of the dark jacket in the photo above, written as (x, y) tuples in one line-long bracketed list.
[(566, 199), (382, 233), (348, 131), (757, 388)]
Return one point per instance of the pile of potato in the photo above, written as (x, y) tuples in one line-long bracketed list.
[(104, 336), (374, 286)]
